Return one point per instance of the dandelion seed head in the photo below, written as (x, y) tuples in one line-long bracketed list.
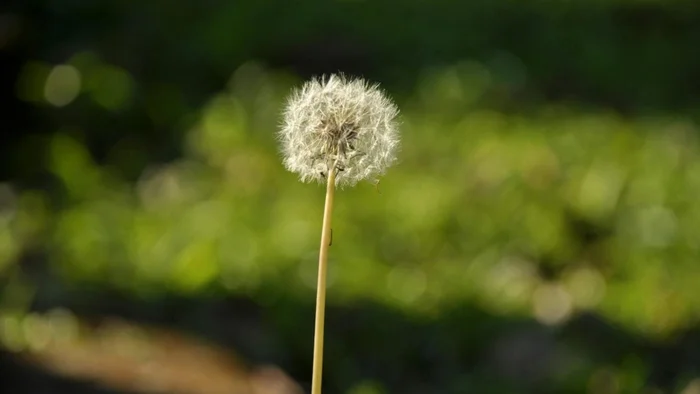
[(340, 123)]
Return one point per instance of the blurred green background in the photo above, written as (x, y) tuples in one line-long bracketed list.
[(538, 235)]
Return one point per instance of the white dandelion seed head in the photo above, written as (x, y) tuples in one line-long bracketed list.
[(339, 122)]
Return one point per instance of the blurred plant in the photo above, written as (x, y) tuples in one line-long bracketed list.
[(570, 212), (343, 130)]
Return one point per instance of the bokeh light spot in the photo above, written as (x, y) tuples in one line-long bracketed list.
[(64, 325), (111, 87), (406, 285), (657, 225), (11, 334), (509, 283), (36, 331), (62, 85), (551, 304), (587, 287)]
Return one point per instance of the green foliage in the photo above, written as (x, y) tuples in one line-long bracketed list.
[(553, 212)]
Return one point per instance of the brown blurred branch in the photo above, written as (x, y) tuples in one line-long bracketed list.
[(124, 356)]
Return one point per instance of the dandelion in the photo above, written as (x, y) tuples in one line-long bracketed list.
[(345, 125), (340, 131)]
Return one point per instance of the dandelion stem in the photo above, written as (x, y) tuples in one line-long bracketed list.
[(321, 285)]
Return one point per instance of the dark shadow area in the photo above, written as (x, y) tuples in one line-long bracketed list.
[(635, 58)]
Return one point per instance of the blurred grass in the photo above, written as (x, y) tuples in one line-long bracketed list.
[(540, 214)]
